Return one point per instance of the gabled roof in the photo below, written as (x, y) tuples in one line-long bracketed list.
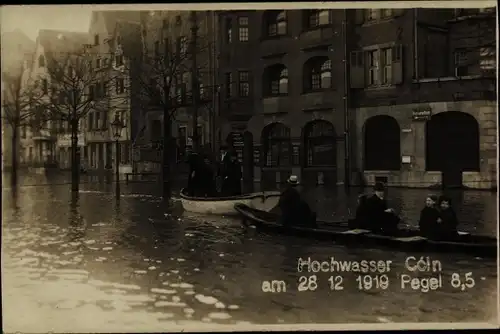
[(111, 17)]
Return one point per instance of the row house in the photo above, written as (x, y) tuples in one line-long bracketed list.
[(167, 64), (113, 40), (42, 141), (355, 96)]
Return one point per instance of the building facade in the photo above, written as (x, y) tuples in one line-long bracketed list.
[(112, 38), (355, 96)]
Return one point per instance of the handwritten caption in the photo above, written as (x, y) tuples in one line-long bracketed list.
[(422, 274)]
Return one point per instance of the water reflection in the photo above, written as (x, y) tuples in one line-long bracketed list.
[(84, 263)]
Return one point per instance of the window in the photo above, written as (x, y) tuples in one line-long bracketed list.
[(182, 45), (91, 92), (96, 39), (243, 29), (105, 62), (178, 20), (229, 84), (45, 86), (318, 74), (97, 120), (461, 59), (317, 18), (119, 60), (120, 86), (124, 153), (487, 58), (244, 84), (41, 61), (277, 23), (386, 66), (229, 30), (372, 14), (278, 80), (98, 63), (91, 121), (372, 60), (277, 145), (105, 120), (123, 117), (200, 133), (385, 13)]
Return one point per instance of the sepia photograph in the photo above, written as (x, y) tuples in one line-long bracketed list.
[(249, 166)]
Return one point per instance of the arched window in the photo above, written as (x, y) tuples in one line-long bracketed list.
[(316, 18), (277, 145), (452, 142), (276, 23), (320, 144), (41, 61), (382, 143), (276, 80), (317, 74)]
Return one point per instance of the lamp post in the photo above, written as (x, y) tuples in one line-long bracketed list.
[(117, 127)]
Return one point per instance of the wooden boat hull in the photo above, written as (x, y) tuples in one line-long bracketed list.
[(405, 240), (264, 201)]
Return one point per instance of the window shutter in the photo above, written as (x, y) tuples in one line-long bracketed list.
[(357, 75), (397, 64), (359, 16)]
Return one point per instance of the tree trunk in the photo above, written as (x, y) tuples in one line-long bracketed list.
[(14, 151), (167, 134), (75, 157)]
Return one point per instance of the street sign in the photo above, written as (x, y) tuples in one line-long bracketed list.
[(421, 114)]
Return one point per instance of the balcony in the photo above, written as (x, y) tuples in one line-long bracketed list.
[(317, 38), (276, 105), (277, 46), (44, 134), (317, 100)]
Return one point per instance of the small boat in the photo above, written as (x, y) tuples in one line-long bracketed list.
[(263, 201), (340, 232)]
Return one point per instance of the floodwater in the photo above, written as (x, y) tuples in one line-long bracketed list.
[(92, 264)]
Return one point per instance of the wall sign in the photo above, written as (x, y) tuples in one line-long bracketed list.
[(296, 154), (421, 114), (406, 159)]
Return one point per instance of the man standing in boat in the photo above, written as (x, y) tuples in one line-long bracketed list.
[(381, 218), (232, 181), (294, 210)]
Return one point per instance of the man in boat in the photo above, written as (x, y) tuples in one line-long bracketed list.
[(294, 209), (207, 182), (379, 217), (223, 170), (232, 181)]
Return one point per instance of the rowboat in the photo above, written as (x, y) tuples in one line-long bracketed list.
[(263, 201), (340, 232)]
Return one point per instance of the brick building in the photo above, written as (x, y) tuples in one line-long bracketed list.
[(284, 100)]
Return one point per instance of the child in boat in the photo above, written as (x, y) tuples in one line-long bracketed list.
[(429, 217), (449, 221)]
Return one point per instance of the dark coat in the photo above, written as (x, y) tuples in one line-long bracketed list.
[(449, 221), (232, 184), (379, 220), (206, 180), (194, 182), (428, 222), (294, 210)]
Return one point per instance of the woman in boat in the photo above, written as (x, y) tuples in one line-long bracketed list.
[(233, 175), (382, 218), (429, 217), (207, 181), (449, 221), (194, 178)]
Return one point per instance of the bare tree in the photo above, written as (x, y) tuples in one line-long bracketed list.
[(76, 89), (18, 95), (166, 80)]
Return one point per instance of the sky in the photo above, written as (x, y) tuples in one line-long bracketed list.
[(30, 19)]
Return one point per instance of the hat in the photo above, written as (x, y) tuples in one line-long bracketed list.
[(293, 180), (379, 186)]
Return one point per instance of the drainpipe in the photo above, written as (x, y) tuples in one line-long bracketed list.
[(415, 43), (347, 162)]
